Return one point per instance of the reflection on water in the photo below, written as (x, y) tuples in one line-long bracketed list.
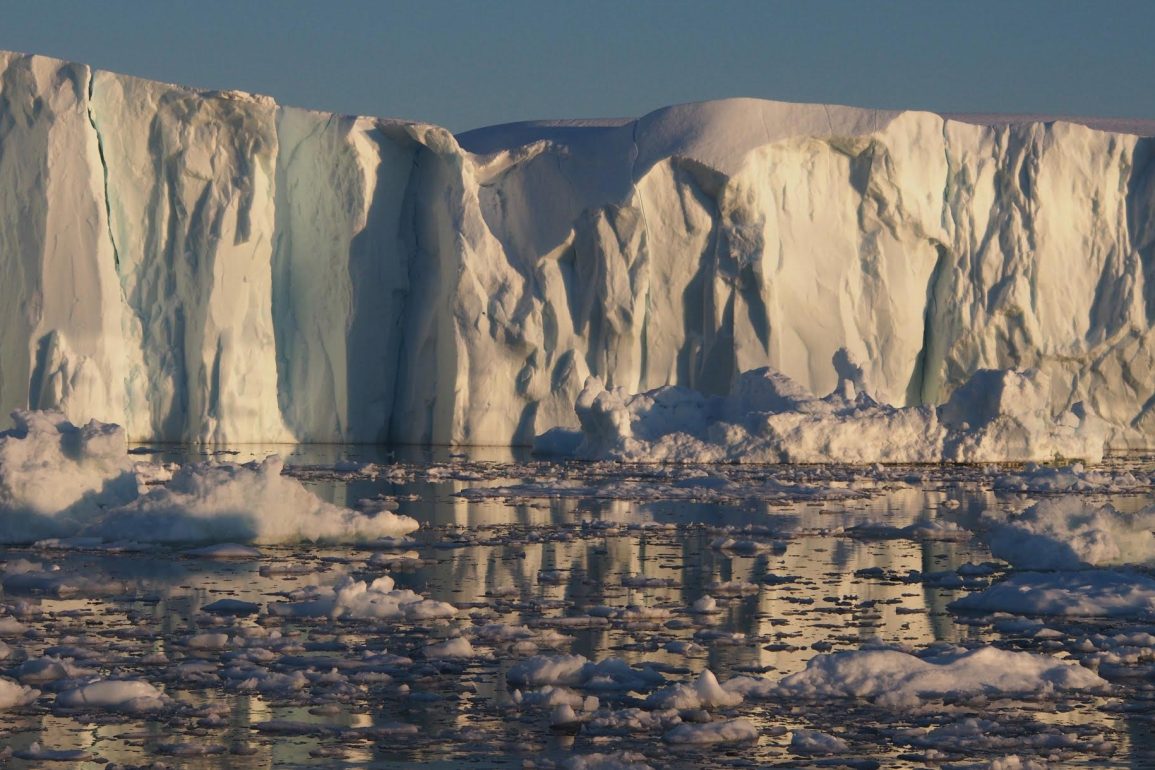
[(794, 579)]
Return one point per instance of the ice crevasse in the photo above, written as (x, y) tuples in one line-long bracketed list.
[(211, 266)]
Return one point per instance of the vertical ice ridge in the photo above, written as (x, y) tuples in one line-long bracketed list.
[(103, 168), (643, 363), (266, 273)]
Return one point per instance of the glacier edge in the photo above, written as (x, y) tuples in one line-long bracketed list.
[(214, 267)]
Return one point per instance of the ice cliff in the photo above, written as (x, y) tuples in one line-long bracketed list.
[(211, 266)]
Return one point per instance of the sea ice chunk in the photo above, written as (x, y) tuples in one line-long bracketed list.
[(739, 730), (64, 485), (1088, 593), (893, 677), (14, 695), (1072, 532), (995, 416), (130, 695), (357, 599)]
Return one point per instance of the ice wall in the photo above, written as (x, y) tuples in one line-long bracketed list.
[(210, 266)]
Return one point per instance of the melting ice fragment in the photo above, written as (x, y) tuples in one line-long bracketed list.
[(130, 695), (59, 483), (1071, 532), (896, 678), (357, 599), (13, 695)]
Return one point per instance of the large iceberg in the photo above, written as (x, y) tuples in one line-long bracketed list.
[(211, 266)]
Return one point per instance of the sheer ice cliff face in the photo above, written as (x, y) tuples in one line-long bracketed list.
[(211, 266)]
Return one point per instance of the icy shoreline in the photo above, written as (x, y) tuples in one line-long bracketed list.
[(995, 416)]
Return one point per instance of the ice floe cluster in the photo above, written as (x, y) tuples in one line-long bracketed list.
[(60, 481), (1002, 415)]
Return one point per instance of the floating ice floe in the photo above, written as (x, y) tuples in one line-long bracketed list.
[(1089, 593), (703, 693), (39, 671), (579, 671), (458, 647), (738, 730), (378, 600), (1072, 532), (130, 695), (1073, 478), (815, 742), (896, 678), (55, 477), (58, 481), (620, 760), (14, 695), (36, 753), (997, 415)]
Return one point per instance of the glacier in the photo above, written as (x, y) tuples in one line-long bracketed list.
[(209, 266)]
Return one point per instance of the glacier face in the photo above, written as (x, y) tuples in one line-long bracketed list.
[(211, 266)]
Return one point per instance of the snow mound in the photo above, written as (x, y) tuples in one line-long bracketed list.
[(995, 416), (1073, 533), (896, 678), (63, 484)]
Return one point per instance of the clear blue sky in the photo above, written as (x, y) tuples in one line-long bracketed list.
[(466, 64)]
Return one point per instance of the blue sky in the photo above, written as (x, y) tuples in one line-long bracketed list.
[(467, 64)]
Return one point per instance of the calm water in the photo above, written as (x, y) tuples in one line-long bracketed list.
[(564, 556)]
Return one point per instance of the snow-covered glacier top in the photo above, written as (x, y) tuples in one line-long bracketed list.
[(211, 266)]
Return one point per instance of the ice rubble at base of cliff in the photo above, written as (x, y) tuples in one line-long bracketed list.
[(768, 418)]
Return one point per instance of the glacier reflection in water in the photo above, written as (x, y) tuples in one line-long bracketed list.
[(597, 560)]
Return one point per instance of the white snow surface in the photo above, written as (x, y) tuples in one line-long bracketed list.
[(212, 266), (768, 418), (58, 482)]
